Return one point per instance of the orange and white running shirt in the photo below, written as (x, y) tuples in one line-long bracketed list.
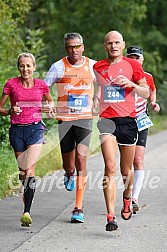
[(141, 103), (74, 87)]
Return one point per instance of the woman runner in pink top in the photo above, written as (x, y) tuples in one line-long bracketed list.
[(26, 132)]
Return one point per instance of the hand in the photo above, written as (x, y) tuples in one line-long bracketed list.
[(155, 106), (95, 106), (49, 109), (16, 110), (124, 82)]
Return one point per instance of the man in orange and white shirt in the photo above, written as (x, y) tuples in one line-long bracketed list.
[(74, 79), (143, 122)]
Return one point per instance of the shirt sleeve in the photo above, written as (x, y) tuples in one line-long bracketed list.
[(150, 81), (51, 75), (55, 73), (46, 89), (7, 88), (138, 72), (99, 79), (91, 64)]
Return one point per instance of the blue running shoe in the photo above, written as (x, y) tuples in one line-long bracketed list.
[(77, 216), (69, 181)]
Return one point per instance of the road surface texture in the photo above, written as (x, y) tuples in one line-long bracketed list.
[(51, 212)]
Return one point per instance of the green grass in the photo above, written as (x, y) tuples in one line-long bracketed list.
[(8, 166), (160, 123), (50, 158)]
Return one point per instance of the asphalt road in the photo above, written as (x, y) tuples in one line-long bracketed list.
[(51, 212)]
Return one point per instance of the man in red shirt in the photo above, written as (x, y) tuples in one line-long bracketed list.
[(118, 79), (143, 122)]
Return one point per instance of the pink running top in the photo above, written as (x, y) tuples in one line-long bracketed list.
[(28, 99)]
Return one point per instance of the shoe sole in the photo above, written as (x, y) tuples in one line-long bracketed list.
[(75, 220), (123, 217), (70, 190), (27, 225)]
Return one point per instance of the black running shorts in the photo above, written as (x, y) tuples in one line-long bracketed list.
[(74, 132), (142, 138), (124, 129)]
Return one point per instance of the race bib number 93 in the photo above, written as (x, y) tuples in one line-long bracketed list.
[(77, 101)]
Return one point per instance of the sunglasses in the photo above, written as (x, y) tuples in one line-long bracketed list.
[(70, 48)]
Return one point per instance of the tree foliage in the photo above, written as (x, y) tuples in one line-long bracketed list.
[(15, 38), (12, 16), (92, 19), (39, 26)]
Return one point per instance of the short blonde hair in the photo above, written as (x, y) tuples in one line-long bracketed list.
[(26, 54)]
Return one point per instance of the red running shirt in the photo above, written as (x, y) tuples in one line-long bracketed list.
[(116, 101), (141, 103)]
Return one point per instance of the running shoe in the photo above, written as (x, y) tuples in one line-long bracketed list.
[(77, 216), (135, 206), (112, 224), (126, 211), (26, 220), (69, 181)]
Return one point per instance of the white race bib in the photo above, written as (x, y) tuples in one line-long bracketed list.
[(143, 122)]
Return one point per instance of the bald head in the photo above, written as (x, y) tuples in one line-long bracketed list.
[(114, 45), (113, 34)]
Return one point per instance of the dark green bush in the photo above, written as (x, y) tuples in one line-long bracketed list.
[(4, 129)]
